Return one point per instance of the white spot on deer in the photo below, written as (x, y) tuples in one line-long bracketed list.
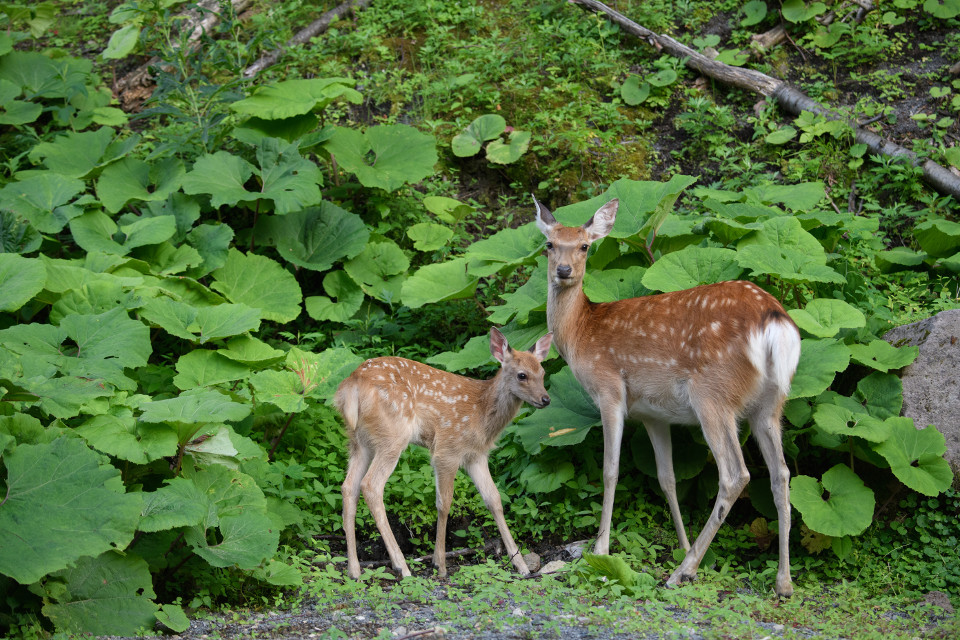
[(715, 326), (713, 303), (379, 378), (703, 303)]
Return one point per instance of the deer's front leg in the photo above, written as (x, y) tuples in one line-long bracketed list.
[(479, 471), (611, 412), (446, 475)]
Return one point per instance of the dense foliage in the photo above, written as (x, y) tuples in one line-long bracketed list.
[(181, 289)]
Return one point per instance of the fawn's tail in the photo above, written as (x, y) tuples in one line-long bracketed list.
[(347, 401)]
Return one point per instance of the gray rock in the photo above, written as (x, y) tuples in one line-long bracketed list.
[(533, 562), (553, 567), (576, 549), (931, 385)]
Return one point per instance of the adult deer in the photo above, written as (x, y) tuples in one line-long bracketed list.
[(389, 403), (711, 354)]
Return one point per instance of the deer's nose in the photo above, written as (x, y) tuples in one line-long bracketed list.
[(544, 401), (564, 271)]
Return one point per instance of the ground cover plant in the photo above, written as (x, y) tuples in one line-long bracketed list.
[(184, 283)]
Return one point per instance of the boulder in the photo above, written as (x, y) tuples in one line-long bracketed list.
[(931, 385)]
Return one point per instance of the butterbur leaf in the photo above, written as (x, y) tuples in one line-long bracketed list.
[(662, 78), (938, 237), (486, 127), (16, 235), (790, 265), (633, 91), (781, 136), (251, 351), (615, 284), (820, 360), (42, 199), (75, 154), (61, 502), (133, 179), (837, 420), (475, 353), (178, 503), (753, 13), (799, 197), (317, 237), (943, 9), (296, 97), (283, 389), (260, 283), (441, 281), (194, 407), (203, 368), (321, 373), (348, 294), (108, 595), (565, 421), (447, 209), (916, 456), (212, 242), (825, 317), (798, 11), (898, 259), (532, 295), (882, 393), (20, 279), (173, 617), (505, 247), (124, 438), (278, 573), (883, 356), (222, 175), (691, 267), (539, 477), (847, 508), (427, 236), (385, 156), (95, 231), (247, 541), (290, 180), (507, 152), (377, 261)]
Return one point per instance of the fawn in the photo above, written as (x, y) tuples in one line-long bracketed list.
[(389, 403), (711, 354)]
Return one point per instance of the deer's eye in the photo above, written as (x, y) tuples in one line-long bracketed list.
[(521, 376), (584, 247), (549, 245)]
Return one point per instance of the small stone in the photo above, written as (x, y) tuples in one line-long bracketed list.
[(533, 562), (400, 631), (552, 567), (575, 549), (518, 613), (777, 627), (939, 599)]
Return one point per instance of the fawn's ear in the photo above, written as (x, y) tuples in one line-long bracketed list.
[(545, 220), (601, 223), (498, 345), (542, 348)]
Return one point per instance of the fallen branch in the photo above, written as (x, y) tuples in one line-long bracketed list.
[(312, 30), (792, 100), (198, 21), (778, 34)]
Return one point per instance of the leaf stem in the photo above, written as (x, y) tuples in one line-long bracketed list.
[(276, 440)]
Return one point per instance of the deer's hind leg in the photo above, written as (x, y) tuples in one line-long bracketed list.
[(382, 465), (360, 458)]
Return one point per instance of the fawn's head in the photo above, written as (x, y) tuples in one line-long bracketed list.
[(567, 246), (521, 370)]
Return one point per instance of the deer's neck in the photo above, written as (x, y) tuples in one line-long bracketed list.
[(567, 310), (501, 405)]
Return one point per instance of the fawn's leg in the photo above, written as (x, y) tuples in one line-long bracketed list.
[(479, 471), (372, 485), (446, 475), (360, 457), (659, 433)]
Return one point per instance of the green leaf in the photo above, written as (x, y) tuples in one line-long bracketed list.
[(882, 356), (75, 154), (691, 267), (178, 503), (317, 237), (938, 237), (532, 295), (539, 477), (506, 247), (20, 279), (289, 179), (475, 353), (820, 360), (943, 9), (753, 13), (16, 235), (377, 261), (447, 210), (322, 372), (261, 283), (296, 97), (799, 197), (42, 200), (565, 421), (348, 294), (194, 407), (247, 540), (791, 265), (427, 236), (501, 152), (781, 136), (798, 11), (224, 321), (848, 509), (278, 573), (108, 595), (898, 259), (61, 502), (212, 242), (95, 231), (251, 351), (397, 154), (122, 42), (882, 393), (916, 457), (615, 284), (172, 617), (435, 282), (825, 317), (133, 179), (203, 368), (222, 175), (662, 78), (124, 438), (19, 112), (633, 92), (486, 127), (284, 389), (837, 420)]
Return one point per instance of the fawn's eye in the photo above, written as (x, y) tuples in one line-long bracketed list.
[(521, 376), (549, 245), (584, 247)]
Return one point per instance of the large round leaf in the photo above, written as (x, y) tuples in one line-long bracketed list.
[(486, 127), (566, 421), (349, 297), (427, 236), (62, 501), (20, 279), (820, 360), (122, 437), (261, 283), (824, 317), (916, 456), (377, 261), (385, 156), (435, 282), (883, 356), (691, 267), (837, 420), (42, 199), (506, 152), (846, 511), (317, 237), (295, 97), (133, 179)]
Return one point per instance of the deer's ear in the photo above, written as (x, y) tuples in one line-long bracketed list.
[(545, 220), (542, 348), (498, 345), (602, 221)]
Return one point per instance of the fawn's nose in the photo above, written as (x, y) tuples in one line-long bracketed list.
[(564, 271), (544, 401)]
